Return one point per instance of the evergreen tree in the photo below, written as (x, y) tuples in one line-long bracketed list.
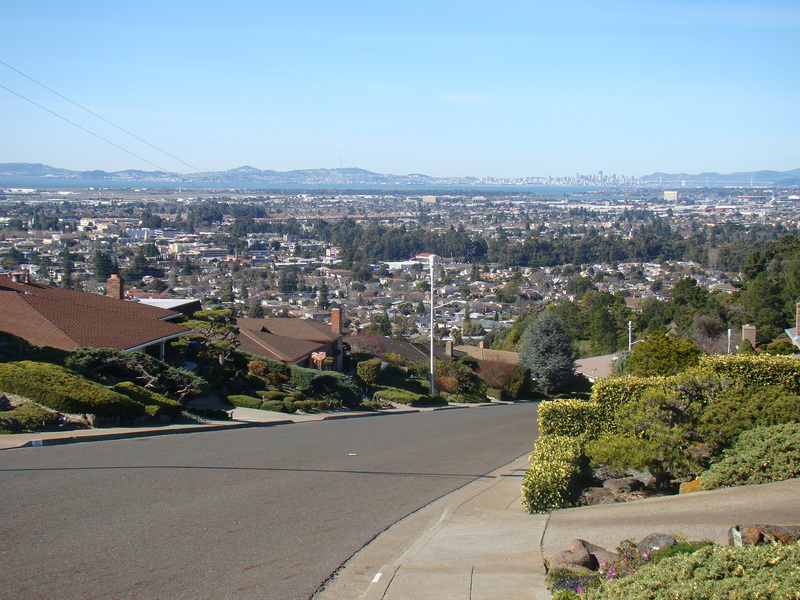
[(548, 353)]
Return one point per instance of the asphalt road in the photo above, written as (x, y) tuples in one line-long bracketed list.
[(267, 513)]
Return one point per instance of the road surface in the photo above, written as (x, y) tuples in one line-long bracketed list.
[(266, 512)]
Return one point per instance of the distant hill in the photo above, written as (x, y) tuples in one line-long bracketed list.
[(245, 174), (744, 178)]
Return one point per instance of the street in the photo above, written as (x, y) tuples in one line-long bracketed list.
[(267, 512)]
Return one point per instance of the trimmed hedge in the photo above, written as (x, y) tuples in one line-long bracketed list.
[(583, 419), (369, 370), (275, 406), (271, 395), (760, 455), (612, 392), (65, 391), (154, 404), (551, 480), (245, 401), (401, 397), (758, 370)]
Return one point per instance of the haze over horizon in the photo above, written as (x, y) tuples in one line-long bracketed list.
[(445, 88)]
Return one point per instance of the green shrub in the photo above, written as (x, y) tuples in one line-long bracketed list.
[(747, 407), (244, 401), (27, 416), (274, 406), (400, 396), (65, 391), (768, 572), (331, 386), (460, 376), (574, 418), (271, 395), (155, 404), (288, 406), (759, 370), (264, 366), (552, 477), (369, 370), (519, 385), (612, 392), (760, 455)]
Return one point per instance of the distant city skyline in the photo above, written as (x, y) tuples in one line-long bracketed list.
[(448, 88)]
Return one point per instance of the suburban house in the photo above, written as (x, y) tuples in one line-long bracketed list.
[(378, 345), (302, 342), (46, 315)]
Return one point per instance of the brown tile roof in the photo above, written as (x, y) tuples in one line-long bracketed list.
[(410, 351), (284, 339), (59, 318), (300, 329), (276, 347)]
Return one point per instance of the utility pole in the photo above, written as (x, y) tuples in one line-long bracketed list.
[(432, 264)]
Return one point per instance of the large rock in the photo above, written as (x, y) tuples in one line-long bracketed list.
[(755, 535), (623, 485), (597, 495), (583, 557), (578, 554), (687, 487), (655, 541)]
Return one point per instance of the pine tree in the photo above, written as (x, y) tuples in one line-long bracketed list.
[(548, 353)]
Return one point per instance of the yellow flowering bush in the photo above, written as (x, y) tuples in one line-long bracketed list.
[(551, 478), (583, 419), (757, 370)]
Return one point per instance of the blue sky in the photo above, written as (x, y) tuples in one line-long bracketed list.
[(447, 88)]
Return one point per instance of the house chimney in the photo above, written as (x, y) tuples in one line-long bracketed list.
[(749, 333), (336, 320), (115, 287), (797, 317), (448, 348)]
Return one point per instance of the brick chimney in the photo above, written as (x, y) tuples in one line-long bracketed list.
[(336, 321), (448, 348), (749, 333), (115, 287), (797, 317)]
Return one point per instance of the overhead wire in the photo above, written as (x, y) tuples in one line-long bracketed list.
[(94, 114)]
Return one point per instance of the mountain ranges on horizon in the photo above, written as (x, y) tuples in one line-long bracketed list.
[(350, 175)]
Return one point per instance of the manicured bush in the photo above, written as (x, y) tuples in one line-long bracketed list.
[(575, 418), (331, 386), (274, 406), (369, 370), (244, 401), (271, 395), (768, 572), (26, 416), (155, 404), (760, 455), (758, 370), (106, 365), (401, 396), (612, 392), (519, 385), (746, 407), (495, 373), (65, 391), (552, 477)]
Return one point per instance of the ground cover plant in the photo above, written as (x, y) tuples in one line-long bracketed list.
[(767, 572)]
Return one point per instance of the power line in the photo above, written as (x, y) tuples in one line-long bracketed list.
[(94, 114), (98, 136)]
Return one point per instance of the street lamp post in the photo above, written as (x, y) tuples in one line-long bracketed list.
[(432, 263)]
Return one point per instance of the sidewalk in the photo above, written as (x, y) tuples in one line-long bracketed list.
[(477, 543)]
